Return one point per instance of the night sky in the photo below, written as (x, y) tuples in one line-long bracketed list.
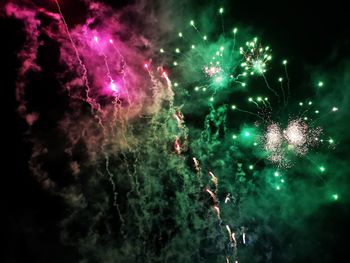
[(113, 179)]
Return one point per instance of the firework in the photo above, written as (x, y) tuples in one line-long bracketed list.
[(256, 57), (151, 110), (295, 140)]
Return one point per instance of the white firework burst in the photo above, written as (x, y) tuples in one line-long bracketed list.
[(295, 140)]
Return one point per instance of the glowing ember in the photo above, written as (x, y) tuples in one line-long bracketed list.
[(113, 87)]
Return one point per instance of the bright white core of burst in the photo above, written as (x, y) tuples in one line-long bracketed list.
[(296, 133), (273, 137)]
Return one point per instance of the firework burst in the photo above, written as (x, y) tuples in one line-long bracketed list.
[(295, 140)]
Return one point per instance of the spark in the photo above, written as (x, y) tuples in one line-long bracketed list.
[(179, 118), (234, 239), (217, 210), (212, 195), (214, 180), (113, 87), (196, 164), (229, 232), (227, 198), (177, 146)]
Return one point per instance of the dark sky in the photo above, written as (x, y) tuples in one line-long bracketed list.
[(313, 33)]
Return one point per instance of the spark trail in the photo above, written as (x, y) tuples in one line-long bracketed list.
[(84, 76)]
